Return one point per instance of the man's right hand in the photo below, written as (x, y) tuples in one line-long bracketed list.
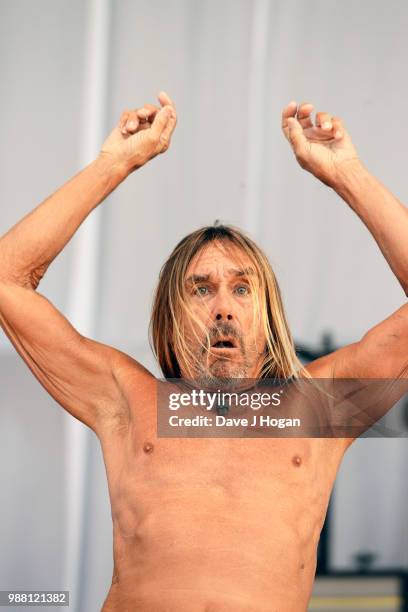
[(141, 134)]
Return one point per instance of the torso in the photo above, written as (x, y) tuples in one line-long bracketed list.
[(214, 525)]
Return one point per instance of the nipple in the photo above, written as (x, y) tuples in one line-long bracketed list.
[(297, 460), (148, 447)]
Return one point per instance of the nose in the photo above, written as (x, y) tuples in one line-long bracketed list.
[(219, 316), (223, 308)]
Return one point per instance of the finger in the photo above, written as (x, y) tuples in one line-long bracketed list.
[(296, 136), (161, 119), (168, 130), (132, 123), (123, 118), (338, 128), (324, 121), (288, 111), (143, 114), (163, 125), (165, 99), (304, 114), (148, 112), (151, 111)]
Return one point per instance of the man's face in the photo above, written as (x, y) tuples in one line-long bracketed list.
[(219, 294)]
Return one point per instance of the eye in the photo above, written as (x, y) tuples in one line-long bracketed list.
[(201, 290), (242, 290)]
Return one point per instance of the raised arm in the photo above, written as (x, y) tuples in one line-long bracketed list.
[(325, 149), (84, 376)]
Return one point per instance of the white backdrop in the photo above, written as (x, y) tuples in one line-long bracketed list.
[(231, 66)]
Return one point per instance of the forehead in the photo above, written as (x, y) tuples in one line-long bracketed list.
[(220, 259)]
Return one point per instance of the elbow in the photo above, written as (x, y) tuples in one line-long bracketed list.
[(404, 285), (27, 281), (34, 278)]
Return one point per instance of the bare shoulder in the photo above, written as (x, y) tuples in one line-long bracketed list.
[(135, 384), (132, 376), (335, 364), (330, 367)]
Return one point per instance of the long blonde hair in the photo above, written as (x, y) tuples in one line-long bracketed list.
[(170, 307)]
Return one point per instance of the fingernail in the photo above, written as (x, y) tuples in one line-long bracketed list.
[(327, 125), (131, 125), (338, 134)]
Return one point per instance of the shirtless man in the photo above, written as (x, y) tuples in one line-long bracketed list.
[(220, 525)]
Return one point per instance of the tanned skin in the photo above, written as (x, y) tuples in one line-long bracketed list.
[(204, 525)]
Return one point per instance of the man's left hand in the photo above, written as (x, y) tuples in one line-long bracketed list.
[(325, 149)]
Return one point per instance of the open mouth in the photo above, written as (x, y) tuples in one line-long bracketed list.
[(224, 344)]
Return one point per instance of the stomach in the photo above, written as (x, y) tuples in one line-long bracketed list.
[(218, 525), (249, 548)]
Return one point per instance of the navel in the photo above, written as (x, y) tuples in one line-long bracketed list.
[(297, 461), (148, 447)]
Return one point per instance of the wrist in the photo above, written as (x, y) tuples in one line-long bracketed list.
[(349, 175), (111, 168)]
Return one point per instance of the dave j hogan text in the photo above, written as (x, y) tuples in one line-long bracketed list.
[(257, 420)]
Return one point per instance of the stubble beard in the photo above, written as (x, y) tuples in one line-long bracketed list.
[(222, 372)]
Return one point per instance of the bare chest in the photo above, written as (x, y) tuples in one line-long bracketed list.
[(206, 476)]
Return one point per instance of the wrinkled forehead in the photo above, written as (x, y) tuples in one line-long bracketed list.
[(221, 260)]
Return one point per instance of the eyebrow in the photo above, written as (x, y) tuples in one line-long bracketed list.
[(201, 278)]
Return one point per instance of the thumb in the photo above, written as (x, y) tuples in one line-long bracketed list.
[(296, 136), (161, 120)]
